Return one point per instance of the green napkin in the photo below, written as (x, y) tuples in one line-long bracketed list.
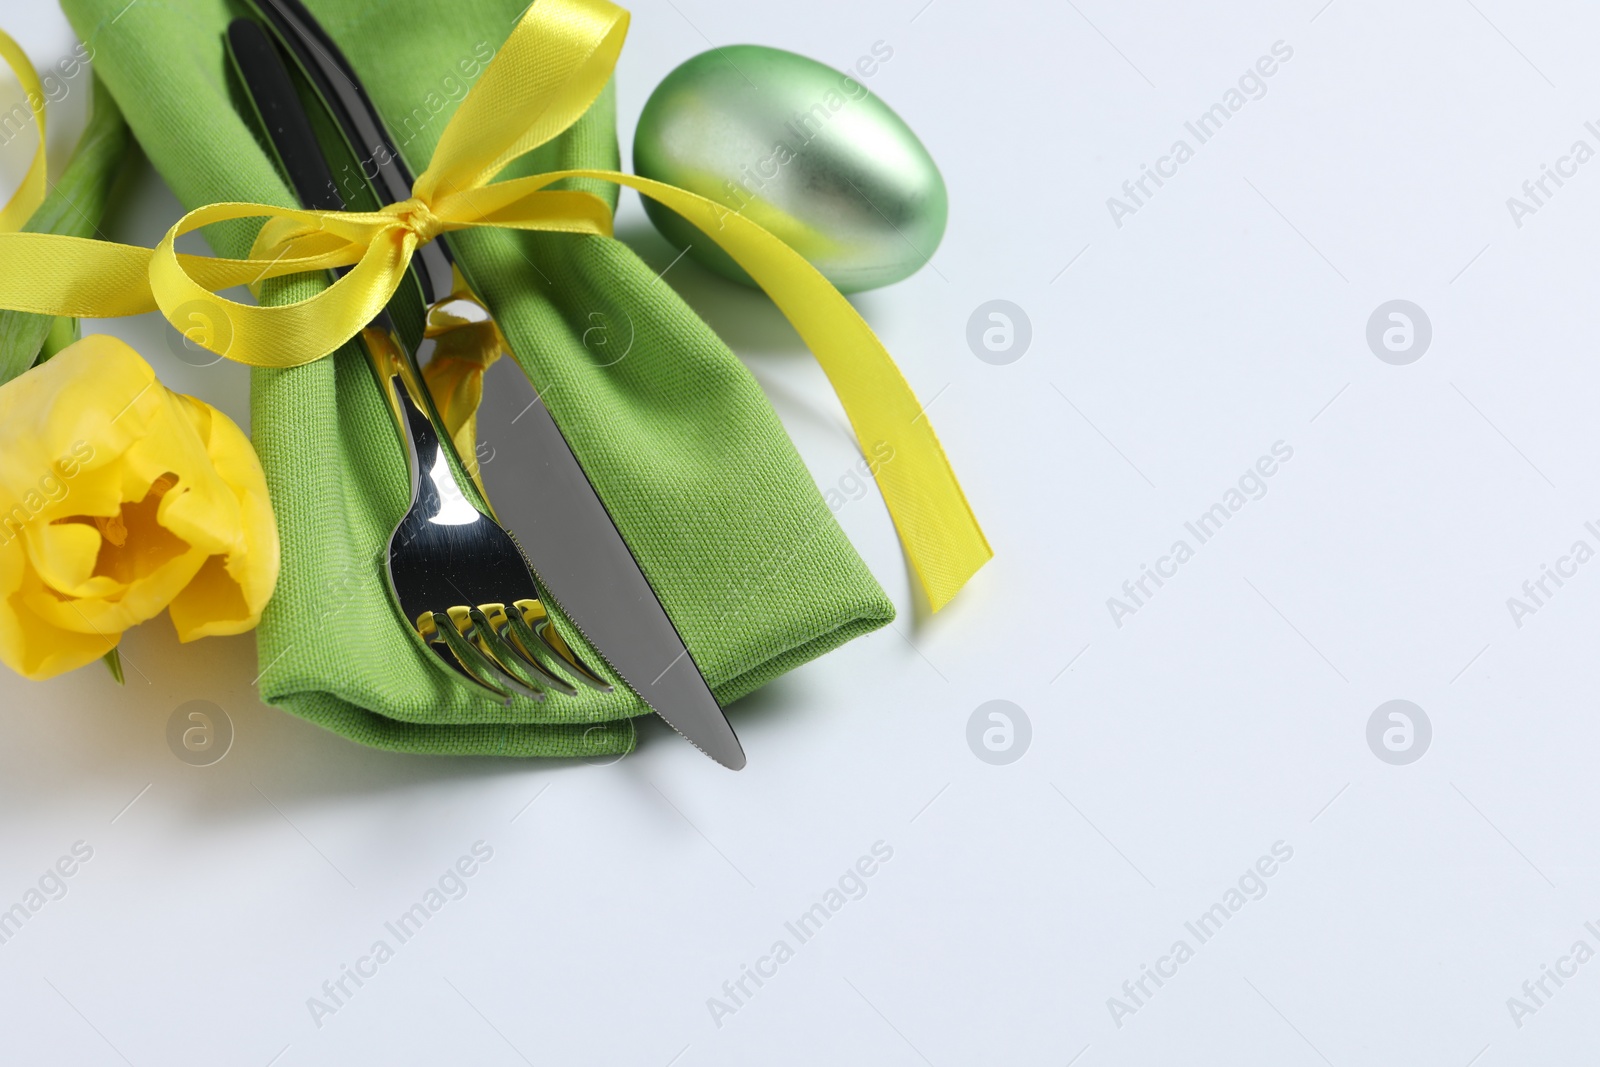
[(682, 446)]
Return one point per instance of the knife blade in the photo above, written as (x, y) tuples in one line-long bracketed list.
[(542, 495)]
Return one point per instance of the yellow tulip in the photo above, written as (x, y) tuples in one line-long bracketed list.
[(120, 499)]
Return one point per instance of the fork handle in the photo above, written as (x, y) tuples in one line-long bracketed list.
[(434, 484)]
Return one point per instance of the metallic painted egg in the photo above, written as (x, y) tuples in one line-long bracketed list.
[(802, 149)]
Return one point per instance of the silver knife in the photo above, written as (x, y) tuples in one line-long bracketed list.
[(542, 494)]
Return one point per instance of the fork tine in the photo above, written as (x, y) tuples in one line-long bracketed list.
[(474, 663), (543, 633), (428, 629), (509, 657), (482, 642), (522, 637)]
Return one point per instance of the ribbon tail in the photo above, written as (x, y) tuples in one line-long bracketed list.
[(940, 533), (53, 274)]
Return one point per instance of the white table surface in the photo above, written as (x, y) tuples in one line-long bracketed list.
[(1228, 714)]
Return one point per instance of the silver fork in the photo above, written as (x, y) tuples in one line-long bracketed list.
[(457, 576), (459, 579)]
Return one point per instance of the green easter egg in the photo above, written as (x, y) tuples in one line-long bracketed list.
[(805, 151)]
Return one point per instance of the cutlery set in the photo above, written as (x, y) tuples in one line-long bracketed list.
[(472, 575)]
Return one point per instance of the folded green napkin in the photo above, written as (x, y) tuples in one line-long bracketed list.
[(678, 439)]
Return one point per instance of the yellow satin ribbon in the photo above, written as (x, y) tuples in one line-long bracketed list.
[(556, 62), (30, 194)]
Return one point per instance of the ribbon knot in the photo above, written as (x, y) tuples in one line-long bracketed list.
[(416, 216)]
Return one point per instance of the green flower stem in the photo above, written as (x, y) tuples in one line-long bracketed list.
[(62, 333)]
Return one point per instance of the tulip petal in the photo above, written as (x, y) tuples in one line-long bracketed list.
[(212, 605), (29, 644), (64, 554)]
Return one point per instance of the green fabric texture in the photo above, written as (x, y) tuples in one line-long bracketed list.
[(678, 439)]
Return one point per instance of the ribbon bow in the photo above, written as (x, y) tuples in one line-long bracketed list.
[(555, 63)]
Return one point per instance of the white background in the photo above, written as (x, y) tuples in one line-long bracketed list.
[(1167, 754)]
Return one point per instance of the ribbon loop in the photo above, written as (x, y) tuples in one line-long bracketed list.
[(551, 68), (554, 65), (35, 184)]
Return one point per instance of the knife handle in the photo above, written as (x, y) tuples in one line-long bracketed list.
[(277, 106), (335, 80)]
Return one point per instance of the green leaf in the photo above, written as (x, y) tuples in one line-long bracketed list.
[(113, 662)]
